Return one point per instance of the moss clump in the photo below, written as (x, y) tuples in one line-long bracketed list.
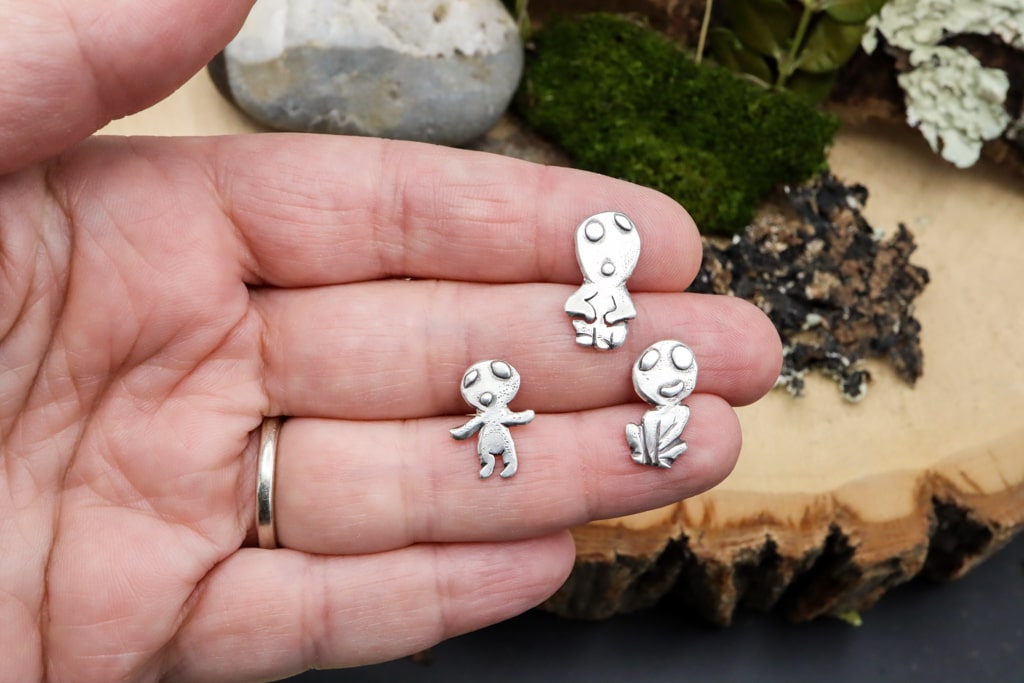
[(625, 101)]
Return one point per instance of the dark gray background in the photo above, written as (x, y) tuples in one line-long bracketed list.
[(970, 630)]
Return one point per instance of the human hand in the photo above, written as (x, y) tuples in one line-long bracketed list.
[(159, 297)]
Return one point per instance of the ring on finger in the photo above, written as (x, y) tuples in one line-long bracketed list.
[(266, 460)]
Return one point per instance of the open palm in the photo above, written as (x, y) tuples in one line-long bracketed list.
[(159, 297)]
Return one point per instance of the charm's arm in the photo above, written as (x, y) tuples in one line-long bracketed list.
[(518, 418), (469, 429), (578, 304), (671, 422), (624, 309), (657, 439)]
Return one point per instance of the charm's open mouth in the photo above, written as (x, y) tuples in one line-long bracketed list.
[(672, 390)]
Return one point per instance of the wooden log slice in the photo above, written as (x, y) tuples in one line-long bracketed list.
[(832, 503)]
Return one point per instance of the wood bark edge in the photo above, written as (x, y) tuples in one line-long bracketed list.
[(829, 567)]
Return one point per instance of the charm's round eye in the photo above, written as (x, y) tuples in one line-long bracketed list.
[(501, 369), (623, 223), (648, 360), (682, 357), (470, 379), (594, 231)]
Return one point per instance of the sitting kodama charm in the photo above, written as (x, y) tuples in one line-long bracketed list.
[(664, 375), (607, 248)]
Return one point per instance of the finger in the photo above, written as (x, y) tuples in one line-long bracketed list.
[(70, 67), (398, 349), (296, 217), (397, 483), (315, 210), (270, 614)]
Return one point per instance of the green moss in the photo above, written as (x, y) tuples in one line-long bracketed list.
[(625, 101)]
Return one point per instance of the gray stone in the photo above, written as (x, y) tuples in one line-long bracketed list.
[(437, 71)]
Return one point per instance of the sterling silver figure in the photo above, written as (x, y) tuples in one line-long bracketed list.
[(607, 248), (489, 386), (664, 375)]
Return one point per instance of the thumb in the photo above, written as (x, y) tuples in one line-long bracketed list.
[(71, 66)]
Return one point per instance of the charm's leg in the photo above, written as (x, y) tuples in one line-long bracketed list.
[(487, 460), (666, 459), (635, 439), (616, 335), (585, 335), (508, 456)]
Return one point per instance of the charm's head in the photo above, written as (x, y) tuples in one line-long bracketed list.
[(607, 247), (490, 383), (665, 373)]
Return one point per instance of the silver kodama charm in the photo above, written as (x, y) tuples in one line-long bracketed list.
[(489, 386), (664, 375), (607, 248)]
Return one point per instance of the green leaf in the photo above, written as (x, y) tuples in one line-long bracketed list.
[(829, 45), (852, 618), (765, 26), (728, 51), (813, 87), (852, 11)]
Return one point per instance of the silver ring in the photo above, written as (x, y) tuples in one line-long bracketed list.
[(266, 531)]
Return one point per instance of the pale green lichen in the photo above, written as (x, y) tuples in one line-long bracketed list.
[(954, 100), (910, 24)]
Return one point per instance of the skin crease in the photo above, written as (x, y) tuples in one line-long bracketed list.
[(159, 297)]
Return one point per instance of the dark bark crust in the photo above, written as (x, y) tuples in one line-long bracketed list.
[(836, 292), (828, 578), (957, 536)]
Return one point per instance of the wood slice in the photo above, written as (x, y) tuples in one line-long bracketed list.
[(832, 503)]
